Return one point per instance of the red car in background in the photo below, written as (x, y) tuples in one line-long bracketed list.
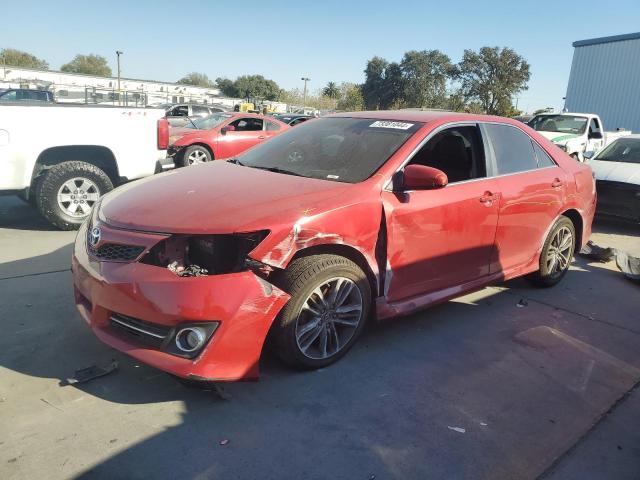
[(221, 135), (303, 239)]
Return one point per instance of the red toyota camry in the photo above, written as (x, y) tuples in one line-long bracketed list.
[(221, 135), (302, 240)]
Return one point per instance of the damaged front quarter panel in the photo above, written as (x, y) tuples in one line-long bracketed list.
[(356, 226)]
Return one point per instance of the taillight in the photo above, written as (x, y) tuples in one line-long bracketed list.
[(163, 134)]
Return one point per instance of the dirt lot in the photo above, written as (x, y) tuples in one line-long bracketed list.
[(509, 382)]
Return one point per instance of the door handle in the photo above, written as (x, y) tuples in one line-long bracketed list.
[(557, 183), (262, 137)]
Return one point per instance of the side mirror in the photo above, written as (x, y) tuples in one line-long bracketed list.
[(421, 177), (228, 128), (596, 135), (589, 155)]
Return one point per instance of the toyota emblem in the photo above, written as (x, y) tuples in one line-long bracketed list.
[(94, 236)]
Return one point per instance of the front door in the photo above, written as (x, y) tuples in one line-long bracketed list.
[(249, 131), (442, 238)]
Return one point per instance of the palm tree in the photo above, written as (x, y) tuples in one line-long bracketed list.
[(331, 90)]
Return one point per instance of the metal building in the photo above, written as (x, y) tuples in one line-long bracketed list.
[(605, 79)]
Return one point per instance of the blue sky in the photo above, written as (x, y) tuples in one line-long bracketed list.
[(324, 40)]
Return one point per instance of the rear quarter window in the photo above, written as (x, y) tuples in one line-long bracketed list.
[(543, 158), (512, 149)]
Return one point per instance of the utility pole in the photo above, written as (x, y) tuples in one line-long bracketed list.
[(304, 95), (118, 53)]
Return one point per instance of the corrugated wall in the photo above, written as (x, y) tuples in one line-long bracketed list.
[(605, 79)]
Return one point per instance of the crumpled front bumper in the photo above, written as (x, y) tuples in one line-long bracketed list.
[(243, 303)]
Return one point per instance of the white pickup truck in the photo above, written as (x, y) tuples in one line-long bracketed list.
[(62, 158), (575, 133)]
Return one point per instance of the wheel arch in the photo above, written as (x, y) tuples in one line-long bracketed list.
[(97, 155), (345, 251), (201, 144), (578, 224)]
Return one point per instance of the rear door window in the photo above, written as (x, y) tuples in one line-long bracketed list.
[(272, 126), (543, 158), (512, 149)]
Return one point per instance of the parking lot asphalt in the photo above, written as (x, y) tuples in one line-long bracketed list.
[(508, 382)]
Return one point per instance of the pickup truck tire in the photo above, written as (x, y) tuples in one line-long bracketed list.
[(194, 155), (61, 204)]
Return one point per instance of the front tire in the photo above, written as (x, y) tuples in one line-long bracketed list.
[(329, 306), (66, 192), (557, 253), (194, 155)]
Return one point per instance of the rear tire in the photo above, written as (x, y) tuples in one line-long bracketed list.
[(329, 306), (557, 253), (63, 205)]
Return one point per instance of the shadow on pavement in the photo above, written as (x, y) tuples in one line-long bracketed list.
[(386, 409)]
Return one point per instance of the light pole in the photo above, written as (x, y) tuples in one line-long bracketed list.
[(118, 53), (304, 95)]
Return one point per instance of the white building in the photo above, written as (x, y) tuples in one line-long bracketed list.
[(79, 88), (604, 79)]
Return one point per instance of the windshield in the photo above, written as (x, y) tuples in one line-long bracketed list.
[(622, 150), (559, 123), (338, 149), (209, 122)]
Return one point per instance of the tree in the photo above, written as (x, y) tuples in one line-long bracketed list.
[(492, 77), (197, 80), (256, 86), (373, 88), (89, 65), (331, 90), (351, 97), (17, 58), (426, 74), (226, 86), (393, 87)]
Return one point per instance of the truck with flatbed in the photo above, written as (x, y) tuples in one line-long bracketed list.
[(62, 158)]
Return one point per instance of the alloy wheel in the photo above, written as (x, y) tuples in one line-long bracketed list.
[(559, 251), (329, 318), (77, 195), (197, 156)]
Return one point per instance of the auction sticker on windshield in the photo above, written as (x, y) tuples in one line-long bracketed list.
[(387, 124)]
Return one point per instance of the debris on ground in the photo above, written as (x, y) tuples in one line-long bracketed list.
[(595, 252), (85, 374), (457, 429), (224, 442), (188, 271), (629, 265), (522, 303)]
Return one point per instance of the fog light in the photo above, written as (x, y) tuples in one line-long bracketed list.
[(190, 339)]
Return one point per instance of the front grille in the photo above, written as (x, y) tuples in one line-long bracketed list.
[(113, 252), (148, 333)]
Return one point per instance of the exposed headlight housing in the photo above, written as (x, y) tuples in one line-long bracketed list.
[(197, 255)]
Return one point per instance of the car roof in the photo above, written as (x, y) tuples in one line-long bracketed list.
[(423, 116)]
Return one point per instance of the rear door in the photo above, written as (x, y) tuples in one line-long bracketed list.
[(439, 239), (249, 131), (532, 190)]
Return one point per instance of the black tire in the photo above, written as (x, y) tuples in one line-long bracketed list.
[(54, 178), (300, 279), (183, 160), (545, 277)]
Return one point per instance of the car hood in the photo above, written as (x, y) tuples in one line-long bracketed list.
[(218, 197), (616, 171), (558, 137)]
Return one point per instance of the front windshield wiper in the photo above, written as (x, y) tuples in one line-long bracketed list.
[(278, 170), (235, 161)]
